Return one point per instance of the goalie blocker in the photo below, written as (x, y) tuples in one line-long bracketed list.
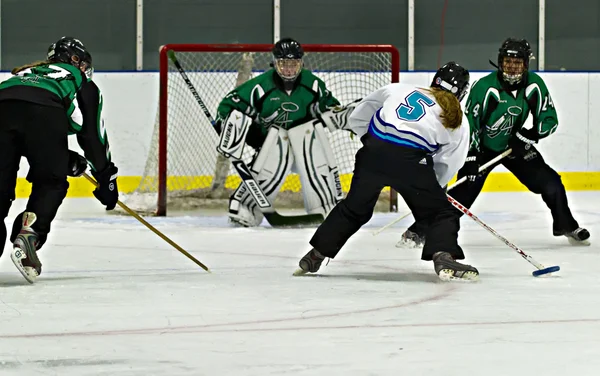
[(305, 149), (233, 135)]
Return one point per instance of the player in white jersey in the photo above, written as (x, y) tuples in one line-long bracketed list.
[(412, 141)]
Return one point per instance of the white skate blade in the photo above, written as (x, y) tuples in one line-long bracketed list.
[(299, 272), (578, 243), (407, 244), (29, 273), (447, 275)]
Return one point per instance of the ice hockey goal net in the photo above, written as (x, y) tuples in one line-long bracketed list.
[(183, 169)]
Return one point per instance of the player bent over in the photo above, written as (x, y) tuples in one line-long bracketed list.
[(497, 108), (40, 105), (412, 141), (275, 114)]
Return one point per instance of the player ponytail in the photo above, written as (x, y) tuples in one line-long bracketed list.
[(30, 65), (451, 112)]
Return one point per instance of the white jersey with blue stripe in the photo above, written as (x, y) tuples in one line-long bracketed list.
[(409, 116)]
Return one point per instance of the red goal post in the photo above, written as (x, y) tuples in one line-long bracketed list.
[(183, 161)]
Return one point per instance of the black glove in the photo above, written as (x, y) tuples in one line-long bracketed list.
[(77, 164), (107, 192), (522, 141), (471, 166)]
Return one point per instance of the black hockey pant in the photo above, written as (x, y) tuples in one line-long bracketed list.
[(39, 133), (534, 173), (410, 172)]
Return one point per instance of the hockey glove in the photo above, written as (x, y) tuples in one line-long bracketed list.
[(471, 166), (77, 164), (107, 191), (523, 141), (334, 118), (233, 135)]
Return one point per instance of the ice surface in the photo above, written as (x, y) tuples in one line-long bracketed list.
[(114, 299)]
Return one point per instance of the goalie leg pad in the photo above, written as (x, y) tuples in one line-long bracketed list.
[(270, 168), (233, 135), (316, 165), (241, 214)]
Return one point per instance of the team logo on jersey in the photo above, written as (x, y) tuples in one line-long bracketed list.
[(281, 117), (289, 107), (505, 124), (515, 110)]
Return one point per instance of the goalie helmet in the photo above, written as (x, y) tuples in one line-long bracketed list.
[(513, 60), (287, 58), (453, 78), (71, 51)]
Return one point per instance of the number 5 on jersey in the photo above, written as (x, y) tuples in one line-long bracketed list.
[(414, 107)]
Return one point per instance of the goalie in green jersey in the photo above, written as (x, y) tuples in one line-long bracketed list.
[(497, 108), (282, 114)]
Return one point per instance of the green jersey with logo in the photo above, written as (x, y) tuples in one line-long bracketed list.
[(265, 99), (58, 84), (496, 114), (65, 86)]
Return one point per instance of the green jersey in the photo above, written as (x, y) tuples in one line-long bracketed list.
[(496, 114), (60, 81), (65, 86), (265, 99)]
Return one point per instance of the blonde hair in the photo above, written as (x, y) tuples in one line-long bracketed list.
[(451, 112), (30, 65)]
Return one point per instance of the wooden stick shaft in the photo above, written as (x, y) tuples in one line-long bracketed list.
[(459, 182), (152, 228)]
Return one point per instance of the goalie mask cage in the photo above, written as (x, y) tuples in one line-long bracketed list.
[(183, 169)]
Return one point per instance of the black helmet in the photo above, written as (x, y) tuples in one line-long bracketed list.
[(453, 78), (287, 48), (71, 51), (516, 48), (287, 56)]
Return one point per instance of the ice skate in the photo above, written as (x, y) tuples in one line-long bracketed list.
[(310, 263), (449, 269), (411, 240), (578, 237), (24, 254)]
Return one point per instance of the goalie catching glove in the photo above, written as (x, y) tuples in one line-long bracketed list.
[(233, 135), (334, 118)]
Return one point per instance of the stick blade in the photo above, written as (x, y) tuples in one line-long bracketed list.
[(306, 220), (548, 270)]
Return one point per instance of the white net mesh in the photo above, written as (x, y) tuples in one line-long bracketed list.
[(197, 176)]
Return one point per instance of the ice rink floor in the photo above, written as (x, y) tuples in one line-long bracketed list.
[(115, 299)]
